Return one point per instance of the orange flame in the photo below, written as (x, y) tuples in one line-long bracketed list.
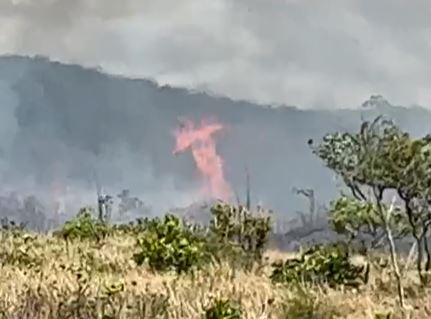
[(209, 163)]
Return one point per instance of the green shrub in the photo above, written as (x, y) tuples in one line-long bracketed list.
[(84, 226), (169, 244), (223, 309), (320, 264), (238, 228)]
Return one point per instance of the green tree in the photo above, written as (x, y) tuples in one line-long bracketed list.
[(360, 221), (369, 165), (410, 162)]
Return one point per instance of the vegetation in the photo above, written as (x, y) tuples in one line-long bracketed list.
[(379, 159), (164, 267), (168, 244), (359, 220), (84, 226), (223, 309), (320, 264)]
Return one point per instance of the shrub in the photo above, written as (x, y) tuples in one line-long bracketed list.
[(84, 226), (223, 309), (320, 264), (169, 244), (237, 227)]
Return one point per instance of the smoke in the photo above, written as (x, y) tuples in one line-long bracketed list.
[(328, 54), (62, 133), (8, 124)]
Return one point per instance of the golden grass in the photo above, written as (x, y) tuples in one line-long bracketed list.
[(79, 281)]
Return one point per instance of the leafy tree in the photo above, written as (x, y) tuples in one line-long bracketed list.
[(363, 161), (359, 220), (410, 162)]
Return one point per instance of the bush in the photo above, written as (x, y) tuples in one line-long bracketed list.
[(169, 244), (223, 309), (320, 264), (84, 226), (235, 229), (360, 219)]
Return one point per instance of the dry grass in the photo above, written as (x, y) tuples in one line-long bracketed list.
[(42, 277)]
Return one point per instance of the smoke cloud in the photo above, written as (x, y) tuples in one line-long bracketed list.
[(327, 54), (65, 128)]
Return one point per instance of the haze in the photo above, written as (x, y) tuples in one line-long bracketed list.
[(312, 54), (311, 61)]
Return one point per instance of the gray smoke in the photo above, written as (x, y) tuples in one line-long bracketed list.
[(328, 54), (65, 127)]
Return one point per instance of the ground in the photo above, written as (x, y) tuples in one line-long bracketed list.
[(44, 277)]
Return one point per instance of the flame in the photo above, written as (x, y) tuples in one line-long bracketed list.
[(202, 145)]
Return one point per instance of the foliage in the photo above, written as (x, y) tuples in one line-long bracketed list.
[(382, 157), (238, 227), (362, 158), (320, 264), (223, 309), (55, 278), (358, 219), (84, 226), (235, 235), (169, 244)]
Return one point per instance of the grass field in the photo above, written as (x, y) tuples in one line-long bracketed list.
[(45, 277)]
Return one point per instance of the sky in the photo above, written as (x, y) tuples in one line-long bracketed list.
[(311, 54)]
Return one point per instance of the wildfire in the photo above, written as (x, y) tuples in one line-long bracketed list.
[(200, 140)]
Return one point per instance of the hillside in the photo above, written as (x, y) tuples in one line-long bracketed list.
[(65, 124)]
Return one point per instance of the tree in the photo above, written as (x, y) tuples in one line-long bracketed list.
[(410, 162), (360, 222), (382, 157), (370, 166)]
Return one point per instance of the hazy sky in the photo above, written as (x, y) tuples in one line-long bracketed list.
[(332, 53)]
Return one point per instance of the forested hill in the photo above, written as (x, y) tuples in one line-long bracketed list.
[(68, 122)]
